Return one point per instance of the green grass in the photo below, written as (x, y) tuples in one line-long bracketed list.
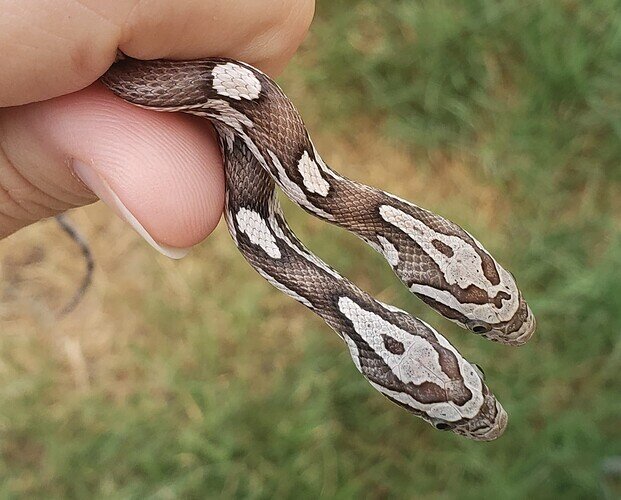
[(187, 385)]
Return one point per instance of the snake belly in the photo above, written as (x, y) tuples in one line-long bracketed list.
[(264, 143)]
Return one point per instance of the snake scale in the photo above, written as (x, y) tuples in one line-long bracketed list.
[(265, 144)]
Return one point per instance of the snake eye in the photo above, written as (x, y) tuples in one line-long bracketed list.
[(443, 426), (478, 327)]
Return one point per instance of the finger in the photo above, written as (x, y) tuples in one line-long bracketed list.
[(53, 48), (264, 33), (164, 169)]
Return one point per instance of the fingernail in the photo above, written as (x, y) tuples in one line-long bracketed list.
[(102, 189)]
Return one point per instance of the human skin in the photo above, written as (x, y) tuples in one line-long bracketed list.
[(65, 140)]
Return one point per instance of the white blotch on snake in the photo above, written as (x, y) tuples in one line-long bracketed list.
[(292, 190), (224, 113), (389, 251), (420, 361), (390, 307), (252, 224), (311, 176), (236, 82)]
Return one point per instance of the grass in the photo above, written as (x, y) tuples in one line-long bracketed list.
[(172, 380)]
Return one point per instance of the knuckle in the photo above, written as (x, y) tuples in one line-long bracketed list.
[(21, 203), (19, 198)]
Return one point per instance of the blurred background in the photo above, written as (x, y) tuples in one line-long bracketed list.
[(196, 378)]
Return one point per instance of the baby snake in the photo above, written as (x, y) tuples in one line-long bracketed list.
[(264, 143)]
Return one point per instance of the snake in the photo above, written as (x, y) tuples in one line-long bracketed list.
[(264, 145)]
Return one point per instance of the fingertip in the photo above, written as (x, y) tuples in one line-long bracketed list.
[(164, 168)]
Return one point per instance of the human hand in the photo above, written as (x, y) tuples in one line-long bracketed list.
[(65, 140)]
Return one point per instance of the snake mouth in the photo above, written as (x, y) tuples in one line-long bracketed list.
[(489, 430), (496, 430)]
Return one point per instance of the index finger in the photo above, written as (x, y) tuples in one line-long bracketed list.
[(55, 48)]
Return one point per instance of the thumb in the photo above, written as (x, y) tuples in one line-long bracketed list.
[(160, 172)]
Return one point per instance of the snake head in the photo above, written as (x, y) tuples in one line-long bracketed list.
[(479, 417), (447, 268), (415, 367), (457, 277)]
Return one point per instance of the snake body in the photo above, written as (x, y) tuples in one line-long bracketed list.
[(264, 143)]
